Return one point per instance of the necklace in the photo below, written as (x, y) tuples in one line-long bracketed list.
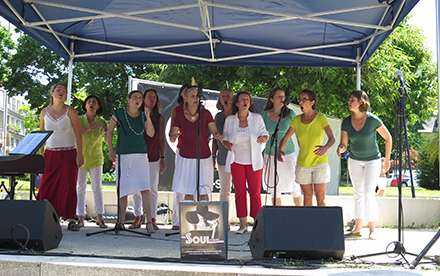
[(129, 125), (193, 116)]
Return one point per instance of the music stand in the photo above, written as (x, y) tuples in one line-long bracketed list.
[(118, 226), (31, 143)]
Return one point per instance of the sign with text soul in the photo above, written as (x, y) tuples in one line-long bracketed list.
[(204, 230)]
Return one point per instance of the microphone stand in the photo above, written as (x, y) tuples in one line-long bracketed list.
[(273, 140), (199, 126), (118, 226), (199, 122), (399, 249)]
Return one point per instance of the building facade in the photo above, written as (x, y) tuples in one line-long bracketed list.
[(11, 121)]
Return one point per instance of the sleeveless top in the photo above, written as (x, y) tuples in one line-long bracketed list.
[(62, 136), (92, 144), (153, 142)]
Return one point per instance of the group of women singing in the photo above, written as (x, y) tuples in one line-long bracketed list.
[(240, 152)]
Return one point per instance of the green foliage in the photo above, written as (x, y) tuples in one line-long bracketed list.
[(6, 45), (428, 172)]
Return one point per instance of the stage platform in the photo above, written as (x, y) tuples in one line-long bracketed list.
[(126, 253)]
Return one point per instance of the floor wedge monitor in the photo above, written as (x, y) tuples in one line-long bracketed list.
[(33, 221), (311, 233)]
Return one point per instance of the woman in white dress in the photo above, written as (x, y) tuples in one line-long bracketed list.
[(134, 158)]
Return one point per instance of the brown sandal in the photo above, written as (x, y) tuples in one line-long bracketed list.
[(72, 226), (101, 224), (151, 230)]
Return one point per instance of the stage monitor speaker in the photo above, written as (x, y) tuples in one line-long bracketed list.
[(311, 233), (38, 217)]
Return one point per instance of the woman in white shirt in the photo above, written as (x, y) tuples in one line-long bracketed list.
[(245, 135)]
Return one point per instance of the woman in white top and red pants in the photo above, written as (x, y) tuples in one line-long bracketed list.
[(245, 135)]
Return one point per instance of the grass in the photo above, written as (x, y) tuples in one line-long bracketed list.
[(344, 189), (394, 191)]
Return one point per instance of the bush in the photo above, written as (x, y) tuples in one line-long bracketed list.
[(428, 172)]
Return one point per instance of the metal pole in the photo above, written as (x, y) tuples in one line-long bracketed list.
[(69, 80), (358, 70), (437, 6)]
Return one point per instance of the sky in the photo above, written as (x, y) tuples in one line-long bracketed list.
[(423, 16)]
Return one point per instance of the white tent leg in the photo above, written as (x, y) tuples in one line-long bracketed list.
[(358, 70), (438, 68), (69, 80)]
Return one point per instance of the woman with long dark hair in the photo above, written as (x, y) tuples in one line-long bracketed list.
[(93, 128), (285, 170)]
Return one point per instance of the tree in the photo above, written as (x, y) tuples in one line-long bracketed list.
[(6, 46)]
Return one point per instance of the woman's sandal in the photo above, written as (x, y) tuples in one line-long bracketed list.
[(136, 224), (80, 224), (101, 224), (72, 226), (151, 230), (153, 220)]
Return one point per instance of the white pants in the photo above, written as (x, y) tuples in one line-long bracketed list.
[(225, 182), (364, 176), (81, 187), (177, 198), (154, 189)]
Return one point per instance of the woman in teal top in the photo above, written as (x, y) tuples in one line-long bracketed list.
[(364, 163), (92, 129), (285, 170), (134, 159)]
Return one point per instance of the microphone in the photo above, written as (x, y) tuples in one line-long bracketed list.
[(199, 90), (287, 99), (399, 75)]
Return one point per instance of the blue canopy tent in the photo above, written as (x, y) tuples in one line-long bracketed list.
[(330, 33)]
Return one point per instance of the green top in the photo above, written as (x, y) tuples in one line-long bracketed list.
[(131, 136), (283, 127), (92, 144), (363, 144), (309, 136)]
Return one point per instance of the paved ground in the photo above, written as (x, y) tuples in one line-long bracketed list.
[(126, 253)]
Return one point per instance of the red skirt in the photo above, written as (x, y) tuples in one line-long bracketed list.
[(58, 183)]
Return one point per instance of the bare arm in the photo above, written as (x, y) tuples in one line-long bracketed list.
[(283, 143), (149, 128), (42, 127), (174, 133), (344, 143), (73, 115), (383, 131), (321, 150), (163, 166), (213, 128), (110, 130)]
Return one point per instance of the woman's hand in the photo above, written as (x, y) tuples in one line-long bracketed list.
[(111, 155), (262, 139), (341, 149), (280, 155), (163, 166), (79, 160), (217, 136), (147, 111), (173, 136), (321, 150), (228, 145)]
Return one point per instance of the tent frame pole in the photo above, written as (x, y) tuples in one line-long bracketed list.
[(70, 76)]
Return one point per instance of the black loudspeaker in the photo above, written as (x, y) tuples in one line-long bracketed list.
[(312, 233), (40, 220)]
